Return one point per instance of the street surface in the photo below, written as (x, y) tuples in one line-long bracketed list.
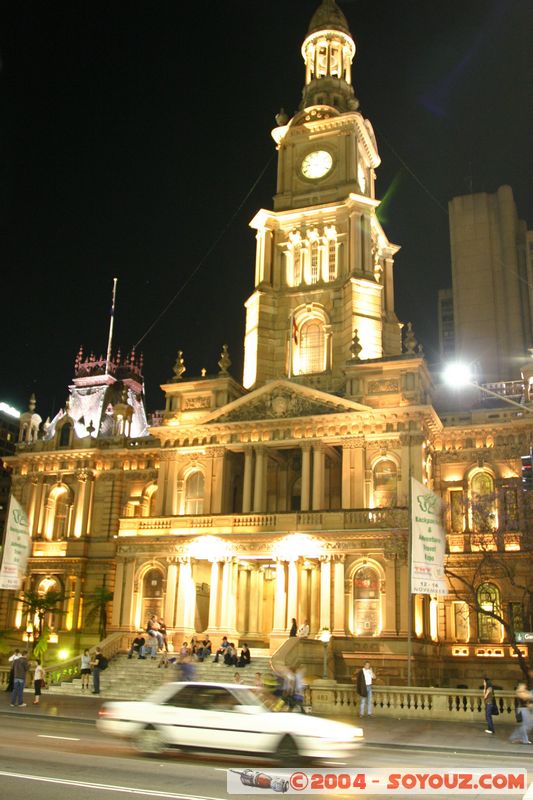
[(55, 759)]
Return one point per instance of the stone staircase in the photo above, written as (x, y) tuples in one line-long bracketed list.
[(133, 679)]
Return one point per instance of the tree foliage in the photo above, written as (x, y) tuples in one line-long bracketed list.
[(97, 605)]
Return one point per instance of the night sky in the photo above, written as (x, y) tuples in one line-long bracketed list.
[(131, 133)]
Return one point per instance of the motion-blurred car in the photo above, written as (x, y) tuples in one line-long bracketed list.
[(229, 718)]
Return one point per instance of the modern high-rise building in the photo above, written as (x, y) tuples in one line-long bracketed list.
[(492, 281), (446, 324)]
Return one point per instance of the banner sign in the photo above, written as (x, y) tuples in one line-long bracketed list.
[(428, 542), (17, 545)]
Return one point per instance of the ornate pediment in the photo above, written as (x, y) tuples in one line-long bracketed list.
[(282, 403)]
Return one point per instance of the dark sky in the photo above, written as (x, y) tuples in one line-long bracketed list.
[(130, 133)]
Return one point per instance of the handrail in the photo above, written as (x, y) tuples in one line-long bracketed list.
[(70, 669)]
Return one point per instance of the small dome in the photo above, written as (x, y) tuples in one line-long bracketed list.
[(328, 16)]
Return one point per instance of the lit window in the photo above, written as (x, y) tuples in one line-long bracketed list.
[(312, 347), (194, 493), (489, 602), (483, 516), (366, 593), (385, 484)]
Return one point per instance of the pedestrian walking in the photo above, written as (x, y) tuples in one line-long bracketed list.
[(39, 680), (20, 668), (11, 659), (85, 670), (364, 681), (524, 714), (491, 709), (294, 628)]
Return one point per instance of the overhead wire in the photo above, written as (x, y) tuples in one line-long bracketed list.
[(207, 253)]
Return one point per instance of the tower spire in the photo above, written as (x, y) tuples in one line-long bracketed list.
[(328, 52)]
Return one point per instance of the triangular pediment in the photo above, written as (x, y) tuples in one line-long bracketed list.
[(283, 399)]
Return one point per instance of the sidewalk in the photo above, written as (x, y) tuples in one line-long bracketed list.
[(401, 734)]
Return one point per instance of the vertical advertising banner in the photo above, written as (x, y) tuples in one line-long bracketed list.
[(428, 542), (16, 547)]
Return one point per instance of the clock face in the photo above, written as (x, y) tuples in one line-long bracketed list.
[(317, 164)]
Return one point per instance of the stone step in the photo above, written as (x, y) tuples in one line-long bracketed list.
[(131, 679)]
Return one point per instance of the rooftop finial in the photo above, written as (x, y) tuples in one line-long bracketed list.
[(179, 367), (111, 322), (225, 361), (410, 341)]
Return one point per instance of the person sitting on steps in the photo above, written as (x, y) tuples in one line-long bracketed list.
[(222, 649), (137, 646)]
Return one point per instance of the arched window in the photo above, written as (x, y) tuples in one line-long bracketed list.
[(488, 600), (64, 435), (149, 500), (483, 513), (152, 602), (59, 508), (366, 599), (194, 493), (312, 347), (385, 483), (50, 584)]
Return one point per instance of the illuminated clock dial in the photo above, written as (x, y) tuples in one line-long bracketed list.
[(317, 164)]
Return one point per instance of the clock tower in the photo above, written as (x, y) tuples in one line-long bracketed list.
[(324, 266)]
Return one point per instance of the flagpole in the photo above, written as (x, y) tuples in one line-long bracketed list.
[(409, 572), (111, 321)]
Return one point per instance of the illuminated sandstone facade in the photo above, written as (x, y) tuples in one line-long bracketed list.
[(246, 506)]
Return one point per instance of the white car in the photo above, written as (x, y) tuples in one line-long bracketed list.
[(227, 718)]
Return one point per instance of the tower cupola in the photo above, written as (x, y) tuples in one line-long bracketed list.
[(328, 52)]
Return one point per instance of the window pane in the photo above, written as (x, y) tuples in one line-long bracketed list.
[(312, 347)]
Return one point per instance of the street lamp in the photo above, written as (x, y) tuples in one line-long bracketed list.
[(325, 637), (458, 375)]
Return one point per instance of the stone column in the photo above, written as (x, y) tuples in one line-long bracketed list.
[(217, 480), (280, 599), (170, 594), (303, 610), (76, 604), (243, 598), (247, 482), (253, 616), (259, 479), (33, 505), (325, 592), (292, 592), (353, 474), (227, 609), (118, 593), (315, 600), (306, 477), (127, 601), (318, 476), (186, 598), (339, 628), (214, 605)]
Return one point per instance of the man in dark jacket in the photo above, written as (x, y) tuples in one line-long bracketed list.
[(20, 668)]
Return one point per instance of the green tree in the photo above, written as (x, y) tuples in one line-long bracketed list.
[(39, 605), (97, 604)]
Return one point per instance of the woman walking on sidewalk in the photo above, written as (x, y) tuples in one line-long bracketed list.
[(38, 682), (490, 704)]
